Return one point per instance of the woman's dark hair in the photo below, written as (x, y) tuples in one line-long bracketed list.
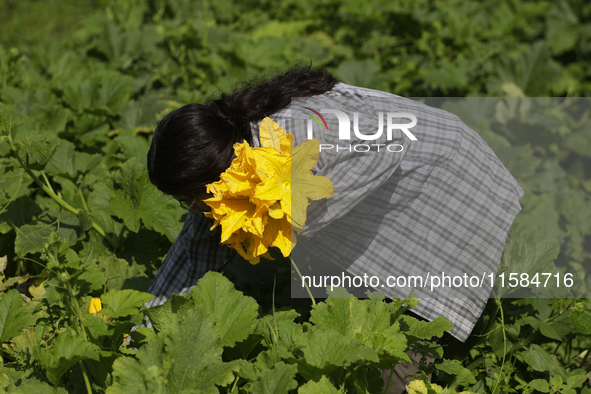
[(193, 145)]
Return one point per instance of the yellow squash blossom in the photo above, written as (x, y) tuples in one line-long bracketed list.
[(95, 305), (265, 192)]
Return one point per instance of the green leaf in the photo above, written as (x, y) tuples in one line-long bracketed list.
[(497, 341), (540, 221), (547, 330), (556, 380), (281, 29), (580, 317), (56, 249), (196, 352), (146, 375), (562, 27), (288, 334), (19, 212), (13, 184), (191, 363), (120, 274), (31, 385), (325, 350), (124, 302), (369, 321), (31, 237), (278, 380), (271, 319), (575, 381), (14, 315), (449, 74), (322, 386), (526, 71), (133, 146), (579, 142), (235, 314), (67, 350), (539, 360), (531, 258), (35, 150), (142, 112), (540, 385), (165, 317), (139, 200), (123, 206), (102, 92), (426, 330), (67, 161), (346, 316), (365, 73), (114, 92), (532, 321), (455, 368), (95, 326), (89, 280)]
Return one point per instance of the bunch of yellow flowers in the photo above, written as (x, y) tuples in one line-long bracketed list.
[(264, 194)]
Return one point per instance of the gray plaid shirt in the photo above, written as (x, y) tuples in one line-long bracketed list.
[(444, 204)]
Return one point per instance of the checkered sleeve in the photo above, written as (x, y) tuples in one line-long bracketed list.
[(196, 250)]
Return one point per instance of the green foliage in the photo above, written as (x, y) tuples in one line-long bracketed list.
[(14, 316), (124, 302), (35, 151), (193, 330), (235, 315), (323, 386), (80, 219), (67, 351)]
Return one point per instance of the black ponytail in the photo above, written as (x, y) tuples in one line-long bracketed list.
[(193, 145)]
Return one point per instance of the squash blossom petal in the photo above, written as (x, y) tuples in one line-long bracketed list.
[(262, 199), (95, 305)]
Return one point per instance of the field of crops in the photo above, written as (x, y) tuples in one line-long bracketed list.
[(80, 222)]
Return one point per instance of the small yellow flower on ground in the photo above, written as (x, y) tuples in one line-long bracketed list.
[(265, 192), (95, 305)]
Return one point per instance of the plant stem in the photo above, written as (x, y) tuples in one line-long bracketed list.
[(529, 339), (234, 385), (387, 388), (46, 187), (476, 363), (491, 322), (75, 307), (83, 200), (305, 284), (47, 181), (50, 192), (78, 314), (86, 381), (498, 301)]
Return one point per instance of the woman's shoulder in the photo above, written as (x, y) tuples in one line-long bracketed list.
[(368, 106)]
